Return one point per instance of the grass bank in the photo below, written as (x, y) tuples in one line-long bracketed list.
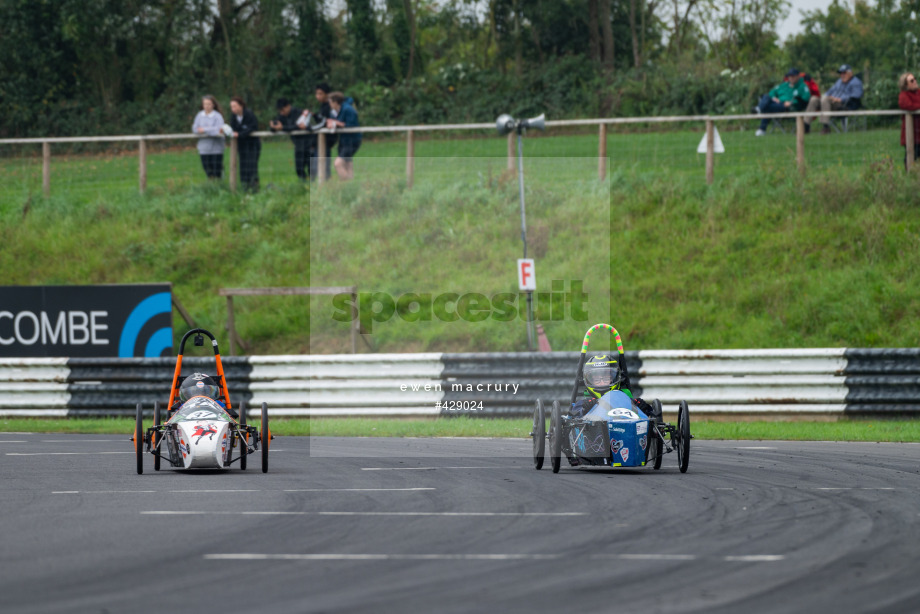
[(852, 430), (763, 258)]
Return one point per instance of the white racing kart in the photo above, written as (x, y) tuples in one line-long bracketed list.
[(200, 433)]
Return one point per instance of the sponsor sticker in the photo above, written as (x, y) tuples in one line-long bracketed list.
[(643, 442), (624, 452), (641, 427), (617, 429), (616, 445), (622, 414)]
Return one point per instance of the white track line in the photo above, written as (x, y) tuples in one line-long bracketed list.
[(646, 557), (476, 514), (12, 441), (357, 489), (755, 448), (83, 440), (429, 468), (227, 490), (95, 492), (384, 557), (853, 488), (753, 558), (62, 453)]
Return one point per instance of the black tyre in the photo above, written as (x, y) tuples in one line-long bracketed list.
[(683, 437), (555, 437), (153, 444), (655, 440), (539, 434), (244, 439), (139, 439), (266, 437)]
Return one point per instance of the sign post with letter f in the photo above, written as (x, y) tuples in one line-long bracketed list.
[(527, 282)]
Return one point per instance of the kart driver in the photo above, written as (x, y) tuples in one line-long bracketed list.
[(202, 385), (602, 374)]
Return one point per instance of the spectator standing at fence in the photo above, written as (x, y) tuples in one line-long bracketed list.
[(790, 95), (286, 120), (326, 112), (845, 94), (347, 117), (243, 122), (209, 123), (909, 100)]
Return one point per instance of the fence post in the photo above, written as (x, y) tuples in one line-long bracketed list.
[(602, 152), (321, 158), (710, 151), (800, 143), (511, 160), (355, 321), (46, 169), (234, 162), (142, 165), (231, 325), (410, 162), (909, 139)]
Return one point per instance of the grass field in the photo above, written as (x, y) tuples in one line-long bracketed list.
[(636, 154), (763, 258), (852, 430)]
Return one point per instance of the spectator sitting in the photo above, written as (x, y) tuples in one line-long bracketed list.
[(815, 92), (790, 95), (286, 120), (909, 100), (348, 143), (845, 94)]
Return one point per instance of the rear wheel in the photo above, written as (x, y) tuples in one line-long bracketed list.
[(266, 437), (656, 439), (539, 434), (139, 439), (555, 437), (244, 438), (683, 441), (156, 422)]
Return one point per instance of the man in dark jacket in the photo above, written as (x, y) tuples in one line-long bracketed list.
[(304, 144), (243, 122)]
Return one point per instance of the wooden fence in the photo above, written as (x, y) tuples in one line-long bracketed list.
[(603, 124)]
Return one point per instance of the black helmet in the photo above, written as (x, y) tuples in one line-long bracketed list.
[(198, 385), (602, 374)]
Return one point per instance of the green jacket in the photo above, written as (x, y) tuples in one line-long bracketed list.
[(797, 94)]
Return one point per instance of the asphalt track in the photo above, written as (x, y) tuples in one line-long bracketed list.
[(459, 525)]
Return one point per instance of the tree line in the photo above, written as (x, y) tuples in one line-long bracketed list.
[(79, 67)]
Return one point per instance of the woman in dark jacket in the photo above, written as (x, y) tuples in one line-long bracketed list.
[(909, 100), (243, 122)]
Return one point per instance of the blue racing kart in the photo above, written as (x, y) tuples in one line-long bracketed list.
[(615, 432)]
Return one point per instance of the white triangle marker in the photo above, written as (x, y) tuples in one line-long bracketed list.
[(717, 145)]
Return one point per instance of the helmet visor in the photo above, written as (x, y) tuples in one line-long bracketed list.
[(198, 390), (600, 377)]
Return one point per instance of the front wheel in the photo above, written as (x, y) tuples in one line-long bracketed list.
[(139, 439), (244, 438), (539, 434), (657, 441), (153, 443), (266, 437), (683, 442), (555, 437)]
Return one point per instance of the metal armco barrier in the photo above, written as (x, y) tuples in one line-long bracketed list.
[(807, 381)]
